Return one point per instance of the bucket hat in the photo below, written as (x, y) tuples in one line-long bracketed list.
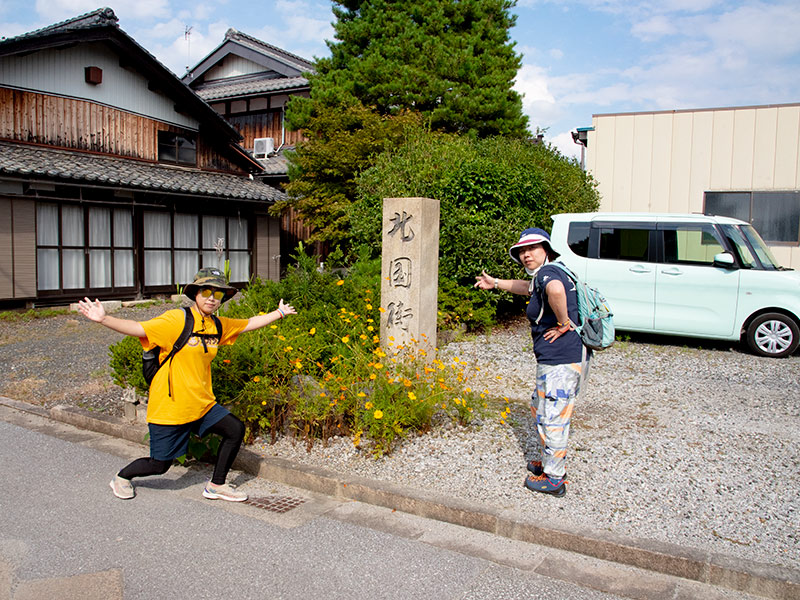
[(209, 277), (530, 236)]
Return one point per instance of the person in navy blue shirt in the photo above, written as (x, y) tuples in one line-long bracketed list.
[(562, 361)]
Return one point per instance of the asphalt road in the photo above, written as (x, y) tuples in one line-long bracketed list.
[(64, 535)]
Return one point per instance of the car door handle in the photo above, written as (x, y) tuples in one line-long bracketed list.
[(672, 271), (639, 269)]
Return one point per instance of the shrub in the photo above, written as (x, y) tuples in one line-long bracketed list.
[(322, 372), (489, 190)]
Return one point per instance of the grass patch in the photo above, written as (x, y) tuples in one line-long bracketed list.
[(13, 316)]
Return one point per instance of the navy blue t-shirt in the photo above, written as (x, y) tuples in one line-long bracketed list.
[(568, 348)]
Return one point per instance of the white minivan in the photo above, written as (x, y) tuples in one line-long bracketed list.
[(690, 275)]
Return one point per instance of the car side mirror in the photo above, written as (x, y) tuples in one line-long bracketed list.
[(724, 260)]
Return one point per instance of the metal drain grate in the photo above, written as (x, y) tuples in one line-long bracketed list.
[(276, 504)]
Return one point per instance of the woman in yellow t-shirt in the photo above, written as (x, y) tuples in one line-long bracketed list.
[(181, 399)]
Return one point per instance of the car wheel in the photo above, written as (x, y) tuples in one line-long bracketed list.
[(774, 335)]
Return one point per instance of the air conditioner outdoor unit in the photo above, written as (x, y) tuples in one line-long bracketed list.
[(263, 147)]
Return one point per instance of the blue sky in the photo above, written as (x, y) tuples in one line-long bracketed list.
[(580, 57)]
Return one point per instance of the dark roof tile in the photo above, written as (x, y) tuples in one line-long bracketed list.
[(22, 159)]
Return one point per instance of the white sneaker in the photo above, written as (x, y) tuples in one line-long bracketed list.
[(122, 488), (223, 492)]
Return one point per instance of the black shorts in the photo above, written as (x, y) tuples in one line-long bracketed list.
[(170, 441)]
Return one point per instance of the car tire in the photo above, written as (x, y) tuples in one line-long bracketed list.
[(774, 335)]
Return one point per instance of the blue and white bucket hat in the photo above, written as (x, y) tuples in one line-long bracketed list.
[(530, 236)]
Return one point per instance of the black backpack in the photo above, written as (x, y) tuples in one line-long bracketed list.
[(150, 363)]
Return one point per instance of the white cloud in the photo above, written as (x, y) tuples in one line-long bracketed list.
[(653, 28), (556, 53), (54, 11), (58, 10)]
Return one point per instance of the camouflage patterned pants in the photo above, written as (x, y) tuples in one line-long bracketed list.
[(557, 387)]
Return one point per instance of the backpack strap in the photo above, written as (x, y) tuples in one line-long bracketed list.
[(536, 287), (188, 327)]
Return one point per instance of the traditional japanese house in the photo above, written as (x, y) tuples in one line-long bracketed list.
[(116, 178)]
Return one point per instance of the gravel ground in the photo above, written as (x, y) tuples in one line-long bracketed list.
[(693, 443)]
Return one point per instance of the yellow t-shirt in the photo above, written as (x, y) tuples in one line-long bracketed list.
[(188, 374)]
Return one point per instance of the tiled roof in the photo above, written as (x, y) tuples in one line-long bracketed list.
[(275, 165), (248, 86), (102, 17), (67, 165), (298, 62)]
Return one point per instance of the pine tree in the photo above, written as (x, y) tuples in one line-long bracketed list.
[(450, 60)]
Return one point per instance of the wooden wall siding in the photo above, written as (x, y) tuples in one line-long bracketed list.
[(61, 72), (207, 158), (76, 124), (82, 125), (267, 248), (263, 125), (17, 249), (6, 251)]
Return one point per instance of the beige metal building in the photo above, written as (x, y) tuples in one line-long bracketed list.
[(742, 162)]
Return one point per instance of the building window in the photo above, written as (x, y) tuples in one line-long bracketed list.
[(775, 215), (177, 148), (79, 248), (177, 245)]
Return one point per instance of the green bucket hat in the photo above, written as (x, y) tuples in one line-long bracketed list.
[(209, 277)]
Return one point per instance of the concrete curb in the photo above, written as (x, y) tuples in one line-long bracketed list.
[(706, 567)]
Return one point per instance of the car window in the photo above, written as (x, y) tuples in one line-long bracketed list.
[(578, 238), (621, 243), (736, 239), (691, 244)]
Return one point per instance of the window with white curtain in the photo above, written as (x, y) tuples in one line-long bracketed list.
[(81, 247), (157, 248), (186, 236), (47, 255), (227, 238), (123, 247)]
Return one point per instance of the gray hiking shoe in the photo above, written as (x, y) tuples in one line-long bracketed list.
[(223, 492), (122, 488)]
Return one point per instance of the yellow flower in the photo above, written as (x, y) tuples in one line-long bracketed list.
[(323, 395), (288, 349), (281, 338), (340, 282), (372, 376), (362, 337), (378, 365), (368, 405), (256, 378), (273, 326), (369, 306), (457, 400), (380, 308), (360, 394), (378, 414), (312, 331), (406, 382), (412, 396), (370, 328), (263, 403), (346, 339)]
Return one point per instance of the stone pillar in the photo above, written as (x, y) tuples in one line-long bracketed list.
[(409, 274)]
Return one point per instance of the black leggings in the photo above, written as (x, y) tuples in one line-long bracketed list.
[(229, 427)]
